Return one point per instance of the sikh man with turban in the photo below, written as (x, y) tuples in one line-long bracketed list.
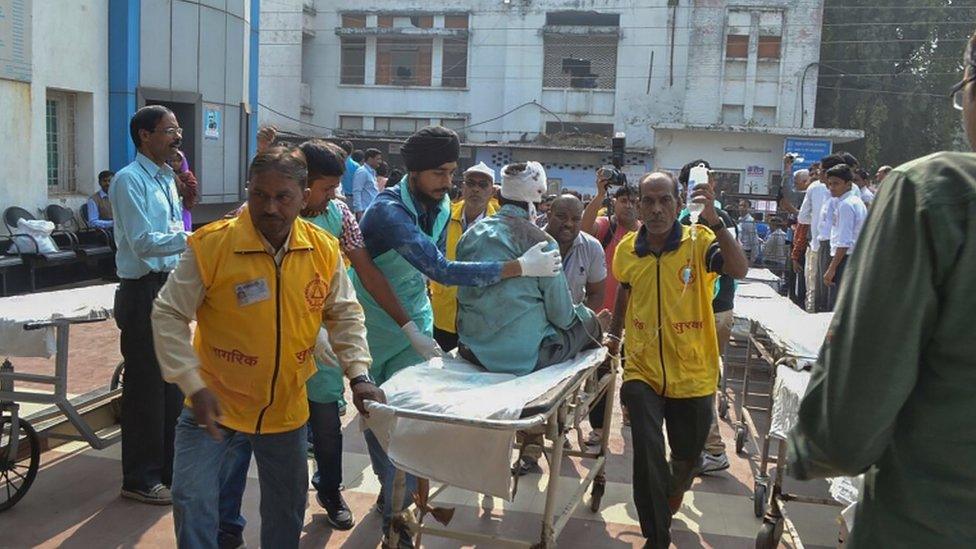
[(404, 231)]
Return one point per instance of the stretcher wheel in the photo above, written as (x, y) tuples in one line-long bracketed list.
[(117, 376), (723, 406), (596, 495), (740, 439), (769, 534), (759, 499), (17, 472)]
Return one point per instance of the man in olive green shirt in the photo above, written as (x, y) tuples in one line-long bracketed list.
[(894, 392)]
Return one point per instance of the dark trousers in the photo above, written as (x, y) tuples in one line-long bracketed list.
[(326, 429), (150, 406), (797, 284), (597, 414), (447, 340), (655, 478), (834, 291), (823, 261)]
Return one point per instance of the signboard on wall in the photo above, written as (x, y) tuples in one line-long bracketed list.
[(755, 181), (808, 150), (15, 40), (211, 124)]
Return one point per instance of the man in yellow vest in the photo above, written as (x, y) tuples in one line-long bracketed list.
[(260, 287), (667, 276), (476, 192)]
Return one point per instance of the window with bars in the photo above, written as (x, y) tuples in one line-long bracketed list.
[(580, 61), (353, 61), (60, 111), (455, 63), (395, 124)]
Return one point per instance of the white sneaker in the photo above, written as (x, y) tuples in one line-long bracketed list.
[(713, 464)]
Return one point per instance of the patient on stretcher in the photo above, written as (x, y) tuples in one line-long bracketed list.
[(521, 324)]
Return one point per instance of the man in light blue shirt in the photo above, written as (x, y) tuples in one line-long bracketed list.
[(99, 212), (149, 236), (364, 188), (351, 167)]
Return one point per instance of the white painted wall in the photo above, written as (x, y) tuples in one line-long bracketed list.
[(70, 52), (505, 67)]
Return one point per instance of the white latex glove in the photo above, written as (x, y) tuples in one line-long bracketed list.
[(421, 342), (536, 262)]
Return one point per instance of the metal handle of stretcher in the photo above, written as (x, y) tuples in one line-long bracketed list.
[(494, 424), (41, 324)]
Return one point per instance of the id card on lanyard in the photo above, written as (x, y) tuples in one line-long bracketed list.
[(175, 221)]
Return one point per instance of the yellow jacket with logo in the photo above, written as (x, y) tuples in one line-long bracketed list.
[(444, 298), (257, 326), (670, 340)]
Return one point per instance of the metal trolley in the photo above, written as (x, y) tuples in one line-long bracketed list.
[(561, 410), (91, 417)]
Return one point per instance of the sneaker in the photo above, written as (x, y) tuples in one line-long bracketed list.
[(526, 466), (594, 438), (157, 495), (337, 513), (712, 463)]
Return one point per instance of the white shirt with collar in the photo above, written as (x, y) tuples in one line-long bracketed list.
[(811, 211), (847, 221)]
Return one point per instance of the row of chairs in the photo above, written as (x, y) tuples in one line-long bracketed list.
[(76, 242)]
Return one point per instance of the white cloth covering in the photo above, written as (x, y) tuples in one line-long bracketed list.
[(468, 457), (90, 303)]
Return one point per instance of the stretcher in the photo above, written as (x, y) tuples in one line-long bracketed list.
[(784, 341), (37, 325), (558, 410)]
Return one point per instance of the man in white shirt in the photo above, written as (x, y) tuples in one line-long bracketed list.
[(847, 219), (813, 212), (861, 182), (364, 188)]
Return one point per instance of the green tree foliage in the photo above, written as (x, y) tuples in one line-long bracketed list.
[(887, 67)]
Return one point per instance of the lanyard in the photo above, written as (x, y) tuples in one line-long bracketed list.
[(165, 189)]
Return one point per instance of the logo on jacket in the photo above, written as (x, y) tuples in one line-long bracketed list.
[(686, 274), (315, 293)]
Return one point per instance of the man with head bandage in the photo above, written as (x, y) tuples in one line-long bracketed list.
[(404, 231)]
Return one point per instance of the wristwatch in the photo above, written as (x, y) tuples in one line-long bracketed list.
[(364, 378), (718, 226)]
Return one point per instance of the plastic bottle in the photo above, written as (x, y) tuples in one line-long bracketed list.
[(698, 176)]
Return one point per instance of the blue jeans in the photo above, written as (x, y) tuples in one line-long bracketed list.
[(206, 483), (386, 471), (325, 429)]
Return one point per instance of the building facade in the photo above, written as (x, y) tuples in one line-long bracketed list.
[(682, 80), (83, 68)]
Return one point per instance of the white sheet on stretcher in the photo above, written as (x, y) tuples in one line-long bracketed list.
[(472, 458), (794, 330), (90, 303), (761, 275)]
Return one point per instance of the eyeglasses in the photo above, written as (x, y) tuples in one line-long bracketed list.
[(479, 183), (171, 131), (956, 93)]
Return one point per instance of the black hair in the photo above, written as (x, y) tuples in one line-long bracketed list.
[(346, 145), (382, 169), (842, 171), (146, 118), (686, 170), (626, 190), (105, 173), (324, 159), (286, 161), (396, 174), (358, 156), (849, 159), (830, 161), (371, 153), (502, 201)]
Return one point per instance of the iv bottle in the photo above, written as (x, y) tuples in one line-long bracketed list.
[(698, 176)]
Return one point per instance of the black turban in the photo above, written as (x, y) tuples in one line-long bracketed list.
[(429, 148)]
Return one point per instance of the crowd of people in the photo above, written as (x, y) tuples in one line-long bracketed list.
[(339, 270)]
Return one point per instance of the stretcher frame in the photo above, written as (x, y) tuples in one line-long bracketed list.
[(79, 413), (769, 497), (571, 404)]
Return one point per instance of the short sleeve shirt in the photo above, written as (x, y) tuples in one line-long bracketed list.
[(585, 262)]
